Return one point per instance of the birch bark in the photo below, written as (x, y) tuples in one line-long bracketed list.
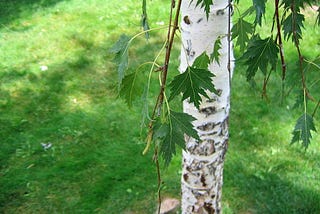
[(202, 170)]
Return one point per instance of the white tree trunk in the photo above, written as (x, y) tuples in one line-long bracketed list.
[(203, 161)]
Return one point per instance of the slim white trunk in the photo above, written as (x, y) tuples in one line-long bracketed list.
[(203, 161)]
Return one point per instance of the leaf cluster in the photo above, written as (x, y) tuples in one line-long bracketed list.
[(265, 54), (171, 131), (169, 128)]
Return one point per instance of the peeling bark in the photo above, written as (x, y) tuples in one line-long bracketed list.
[(202, 173)]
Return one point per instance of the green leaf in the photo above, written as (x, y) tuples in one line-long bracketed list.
[(294, 22), (201, 61), (296, 4), (193, 82), (132, 87), (302, 130), (205, 4), (260, 53), (171, 133), (120, 49), (242, 30), (215, 55), (260, 7)]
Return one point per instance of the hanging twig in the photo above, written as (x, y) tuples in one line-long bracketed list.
[(160, 98), (283, 63), (296, 42), (316, 108)]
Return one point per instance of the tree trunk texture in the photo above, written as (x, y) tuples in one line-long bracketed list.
[(202, 170)]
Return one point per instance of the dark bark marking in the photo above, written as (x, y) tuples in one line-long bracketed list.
[(220, 12), (203, 180), (211, 100), (225, 148), (208, 111), (207, 126), (189, 50), (186, 20), (208, 207), (210, 133), (224, 127), (199, 20), (185, 177)]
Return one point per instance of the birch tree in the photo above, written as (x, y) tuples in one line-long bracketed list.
[(203, 160), (204, 82)]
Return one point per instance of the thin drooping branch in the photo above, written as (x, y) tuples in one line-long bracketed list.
[(265, 83), (170, 39), (171, 34), (316, 108), (159, 102), (283, 63), (156, 159), (296, 42)]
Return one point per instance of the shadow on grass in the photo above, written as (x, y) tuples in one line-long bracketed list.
[(261, 191), (263, 173), (93, 162), (15, 9)]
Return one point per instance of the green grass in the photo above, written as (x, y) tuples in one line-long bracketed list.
[(95, 163)]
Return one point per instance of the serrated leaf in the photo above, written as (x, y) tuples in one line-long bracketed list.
[(132, 87), (172, 132), (296, 5), (260, 53), (302, 130), (205, 4), (242, 30), (215, 55), (192, 83), (260, 7), (289, 26), (201, 61), (120, 49), (248, 11)]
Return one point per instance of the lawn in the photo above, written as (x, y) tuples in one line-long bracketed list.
[(69, 145)]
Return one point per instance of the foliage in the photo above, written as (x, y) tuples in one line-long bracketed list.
[(215, 55), (260, 54), (302, 130), (171, 131), (241, 32), (206, 4), (120, 49), (260, 9), (194, 81), (132, 87)]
